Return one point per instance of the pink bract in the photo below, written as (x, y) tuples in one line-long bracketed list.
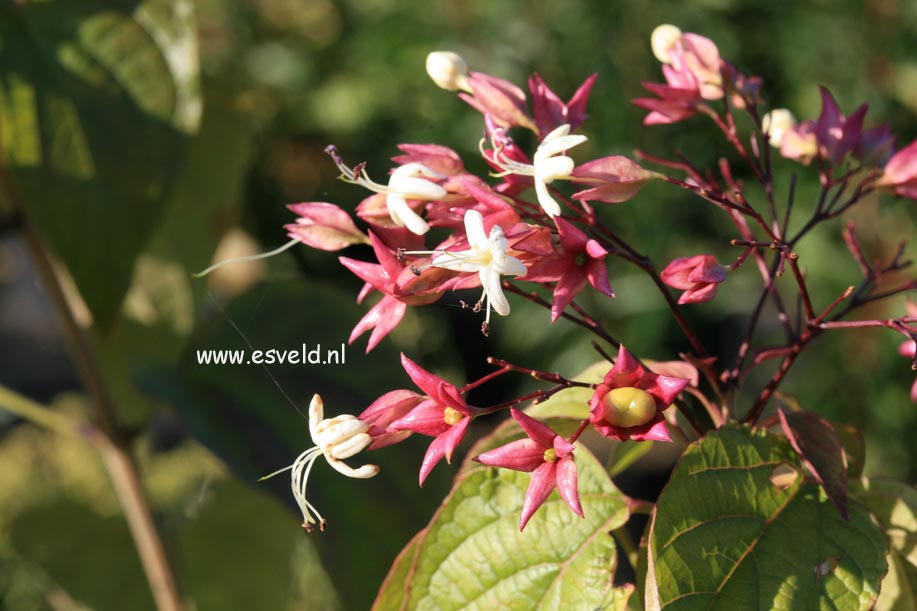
[(324, 226), (900, 174), (550, 112), (578, 260), (431, 417), (697, 276)]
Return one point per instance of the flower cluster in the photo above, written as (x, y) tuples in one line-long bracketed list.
[(531, 228)]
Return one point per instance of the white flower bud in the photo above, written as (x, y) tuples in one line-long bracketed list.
[(448, 70), (663, 40), (776, 124)]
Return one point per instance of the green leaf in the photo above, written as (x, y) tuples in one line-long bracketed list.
[(472, 555), (728, 533), (572, 402), (626, 453), (97, 100), (108, 574), (854, 448), (219, 554), (159, 309), (391, 595), (894, 504)]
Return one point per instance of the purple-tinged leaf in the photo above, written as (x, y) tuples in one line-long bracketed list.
[(817, 444)]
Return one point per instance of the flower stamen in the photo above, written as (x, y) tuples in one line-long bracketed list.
[(407, 182)]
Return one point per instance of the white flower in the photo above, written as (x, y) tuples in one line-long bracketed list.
[(406, 182), (336, 439), (776, 124), (663, 39), (547, 165), (487, 256), (448, 70)]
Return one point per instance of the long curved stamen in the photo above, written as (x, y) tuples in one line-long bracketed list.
[(358, 176), (277, 472), (263, 255), (302, 466)]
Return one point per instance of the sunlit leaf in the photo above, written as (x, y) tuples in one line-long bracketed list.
[(472, 555), (738, 527), (894, 504), (572, 402)]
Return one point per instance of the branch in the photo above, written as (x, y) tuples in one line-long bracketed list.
[(110, 441)]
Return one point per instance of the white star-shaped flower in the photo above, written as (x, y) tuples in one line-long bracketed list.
[(487, 256)]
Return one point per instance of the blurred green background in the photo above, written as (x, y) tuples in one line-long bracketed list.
[(134, 187)]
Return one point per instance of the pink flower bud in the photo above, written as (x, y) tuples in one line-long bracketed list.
[(324, 226), (799, 142), (500, 99), (384, 411), (697, 276), (612, 179), (900, 173)]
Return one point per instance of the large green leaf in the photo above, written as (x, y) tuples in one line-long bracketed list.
[(161, 304), (472, 555), (108, 574), (572, 402), (731, 532), (96, 102), (894, 504)]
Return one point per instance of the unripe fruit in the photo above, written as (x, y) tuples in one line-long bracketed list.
[(628, 407)]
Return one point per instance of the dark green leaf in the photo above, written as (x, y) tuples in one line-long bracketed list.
[(626, 453), (108, 574), (219, 554), (162, 302), (854, 448), (96, 101)]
